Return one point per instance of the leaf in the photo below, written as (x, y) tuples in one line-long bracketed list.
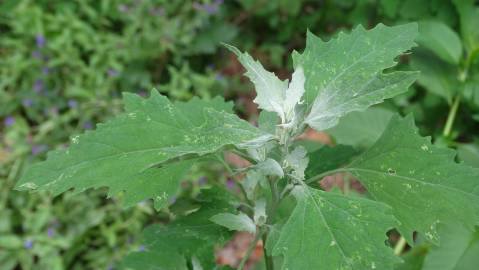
[(267, 121), (329, 158), (469, 20), (297, 160), (332, 231), (273, 94), (421, 182), (270, 167), (239, 222), (345, 74), (458, 250), (124, 153), (413, 259), (154, 260), (441, 39), (436, 76), (361, 129), (469, 153), (193, 235)]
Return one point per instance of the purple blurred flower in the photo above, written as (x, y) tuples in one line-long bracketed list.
[(38, 85), (72, 103), (172, 199), (51, 232), (112, 73), (202, 181), (37, 149), (40, 41), (230, 183), (45, 70), (110, 267), (141, 248), (219, 77), (9, 121), (142, 93), (210, 8), (28, 244), (37, 54), (27, 102), (88, 125)]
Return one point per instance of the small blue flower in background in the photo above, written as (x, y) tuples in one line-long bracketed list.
[(40, 41), (72, 103), (88, 125), (27, 102), (123, 8), (37, 149), (51, 232), (208, 8), (28, 244), (172, 199), (157, 11), (45, 70), (202, 181), (112, 73), (9, 121), (38, 86), (141, 248)]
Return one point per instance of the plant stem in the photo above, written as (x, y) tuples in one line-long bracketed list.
[(322, 175), (400, 246), (250, 249), (451, 116), (268, 260)]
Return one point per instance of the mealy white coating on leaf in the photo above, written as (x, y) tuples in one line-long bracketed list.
[(273, 94), (346, 73), (298, 161), (270, 167)]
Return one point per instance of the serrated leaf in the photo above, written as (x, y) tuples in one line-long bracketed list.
[(361, 129), (421, 182), (239, 222), (332, 231), (297, 160), (441, 39), (272, 94), (123, 153), (345, 74)]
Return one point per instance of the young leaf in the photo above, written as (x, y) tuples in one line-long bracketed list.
[(441, 39), (421, 182), (123, 153), (332, 231), (239, 222), (272, 94), (346, 73)]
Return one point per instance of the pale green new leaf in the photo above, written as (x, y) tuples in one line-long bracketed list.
[(346, 73), (331, 231), (239, 222), (124, 153), (272, 94), (421, 182)]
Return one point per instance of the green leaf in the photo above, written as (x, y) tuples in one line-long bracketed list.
[(273, 94), (332, 231), (329, 158), (239, 222), (361, 129), (469, 153), (345, 74), (124, 153), (469, 20), (441, 39), (458, 250), (154, 260), (421, 182), (193, 235), (436, 76), (413, 259)]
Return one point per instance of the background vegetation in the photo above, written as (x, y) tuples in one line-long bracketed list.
[(64, 64)]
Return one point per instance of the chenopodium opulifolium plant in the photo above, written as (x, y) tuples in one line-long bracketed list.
[(413, 186)]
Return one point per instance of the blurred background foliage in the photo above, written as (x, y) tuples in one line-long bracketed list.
[(64, 64)]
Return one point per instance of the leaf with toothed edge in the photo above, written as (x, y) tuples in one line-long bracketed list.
[(420, 181), (124, 154), (345, 74), (331, 231)]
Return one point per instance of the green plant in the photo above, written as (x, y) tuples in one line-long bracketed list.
[(412, 185)]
